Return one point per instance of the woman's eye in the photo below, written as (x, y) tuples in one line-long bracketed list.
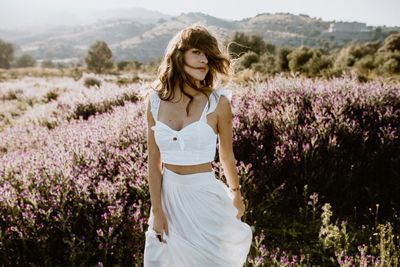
[(196, 52)]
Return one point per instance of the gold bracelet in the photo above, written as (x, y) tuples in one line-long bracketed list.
[(235, 189)]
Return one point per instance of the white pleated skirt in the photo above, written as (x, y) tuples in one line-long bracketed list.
[(202, 224)]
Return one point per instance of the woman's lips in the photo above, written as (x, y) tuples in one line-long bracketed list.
[(203, 69)]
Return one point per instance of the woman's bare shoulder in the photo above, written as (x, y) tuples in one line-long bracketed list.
[(223, 108), (224, 92)]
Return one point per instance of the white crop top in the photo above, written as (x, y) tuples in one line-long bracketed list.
[(195, 143)]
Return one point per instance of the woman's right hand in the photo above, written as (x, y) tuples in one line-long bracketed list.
[(160, 223)]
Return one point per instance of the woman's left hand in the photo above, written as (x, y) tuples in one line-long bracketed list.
[(238, 203)]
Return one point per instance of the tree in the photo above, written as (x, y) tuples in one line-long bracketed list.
[(348, 56), (298, 59), (99, 57), (392, 65), (318, 63), (48, 64), (266, 64), (391, 43), (366, 63), (6, 54), (246, 60), (388, 62), (242, 43), (122, 65), (387, 58), (24, 61), (282, 62), (309, 61)]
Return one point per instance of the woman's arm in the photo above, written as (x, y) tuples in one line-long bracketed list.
[(225, 134), (154, 163)]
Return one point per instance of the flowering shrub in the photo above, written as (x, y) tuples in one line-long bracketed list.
[(80, 198), (76, 193), (325, 134), (39, 102), (274, 257), (90, 81)]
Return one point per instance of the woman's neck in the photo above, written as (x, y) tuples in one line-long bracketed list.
[(189, 90)]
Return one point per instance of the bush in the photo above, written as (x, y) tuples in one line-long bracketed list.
[(25, 61), (348, 56), (83, 215), (391, 43), (388, 62), (11, 95), (48, 64), (298, 59), (91, 81), (391, 66), (282, 61), (122, 65), (266, 64), (247, 60), (128, 80), (6, 54), (318, 64), (99, 57), (365, 63), (242, 43), (77, 74), (51, 95), (327, 136), (80, 195)]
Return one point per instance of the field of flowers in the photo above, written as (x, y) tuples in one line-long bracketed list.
[(318, 161), (48, 101)]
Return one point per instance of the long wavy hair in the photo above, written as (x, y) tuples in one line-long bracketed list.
[(171, 72)]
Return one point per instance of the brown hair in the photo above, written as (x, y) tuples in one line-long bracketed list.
[(171, 72)]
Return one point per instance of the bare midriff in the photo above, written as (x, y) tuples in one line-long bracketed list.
[(189, 169)]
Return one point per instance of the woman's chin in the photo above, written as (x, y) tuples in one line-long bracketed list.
[(200, 78)]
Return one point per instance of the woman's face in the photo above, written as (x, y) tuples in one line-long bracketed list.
[(195, 64)]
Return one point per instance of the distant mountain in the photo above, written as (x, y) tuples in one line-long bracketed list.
[(284, 28), (151, 44), (75, 41), (43, 20), (141, 15), (137, 34)]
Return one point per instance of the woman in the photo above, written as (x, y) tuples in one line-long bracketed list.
[(195, 218)]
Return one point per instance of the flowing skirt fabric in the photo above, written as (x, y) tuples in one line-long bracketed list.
[(202, 224)]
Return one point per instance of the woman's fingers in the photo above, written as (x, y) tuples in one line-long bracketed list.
[(239, 215), (159, 231), (166, 229), (159, 236)]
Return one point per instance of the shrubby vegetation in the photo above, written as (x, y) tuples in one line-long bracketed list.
[(366, 60), (99, 57), (24, 61), (48, 103), (91, 81), (318, 159), (318, 143), (253, 57), (8, 60), (48, 64), (6, 54), (318, 162)]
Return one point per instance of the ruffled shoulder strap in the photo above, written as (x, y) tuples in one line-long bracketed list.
[(216, 95), (155, 103)]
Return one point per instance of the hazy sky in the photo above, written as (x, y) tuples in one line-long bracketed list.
[(372, 12)]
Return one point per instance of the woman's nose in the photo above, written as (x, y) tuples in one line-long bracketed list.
[(204, 59)]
